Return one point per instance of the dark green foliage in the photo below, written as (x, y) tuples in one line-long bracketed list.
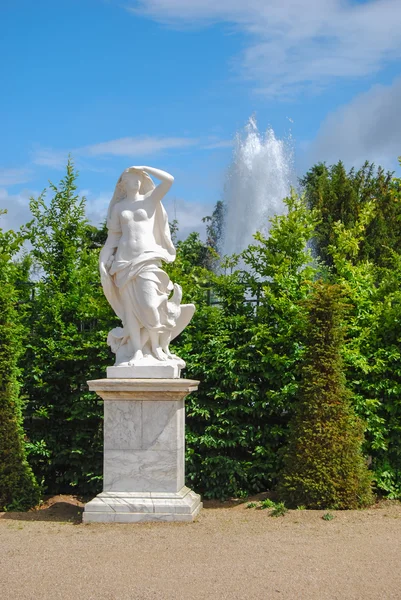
[(385, 375), (18, 487), (324, 465), (194, 253), (342, 196), (371, 353), (245, 343), (96, 236), (373, 363), (363, 249), (243, 350), (68, 323)]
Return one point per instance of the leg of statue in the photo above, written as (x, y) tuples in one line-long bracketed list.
[(134, 330), (156, 348), (164, 343), (131, 325), (150, 298)]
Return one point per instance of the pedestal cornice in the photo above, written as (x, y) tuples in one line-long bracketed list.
[(143, 389)]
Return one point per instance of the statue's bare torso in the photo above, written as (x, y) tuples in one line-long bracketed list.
[(137, 222)]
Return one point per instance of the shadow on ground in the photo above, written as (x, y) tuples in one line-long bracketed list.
[(235, 502), (68, 509), (57, 508), (60, 511)]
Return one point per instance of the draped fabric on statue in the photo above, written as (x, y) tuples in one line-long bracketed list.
[(152, 320)]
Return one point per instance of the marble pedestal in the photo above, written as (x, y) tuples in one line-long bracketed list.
[(144, 452)]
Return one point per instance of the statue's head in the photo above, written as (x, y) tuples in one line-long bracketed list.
[(133, 180)]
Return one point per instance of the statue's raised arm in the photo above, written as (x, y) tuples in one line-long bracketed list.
[(134, 283), (166, 181)]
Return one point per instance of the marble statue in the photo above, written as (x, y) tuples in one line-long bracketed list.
[(134, 282)]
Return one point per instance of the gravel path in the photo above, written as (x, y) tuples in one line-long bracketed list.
[(228, 553)]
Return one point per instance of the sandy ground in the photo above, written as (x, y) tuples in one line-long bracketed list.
[(230, 552)]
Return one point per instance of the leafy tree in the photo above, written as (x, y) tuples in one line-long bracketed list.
[(380, 387), (97, 236), (341, 196), (245, 342), (68, 323), (194, 253), (244, 349), (324, 465), (18, 487), (371, 353)]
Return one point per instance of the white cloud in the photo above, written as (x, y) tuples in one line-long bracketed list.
[(219, 144), (17, 207), (18, 211), (293, 44), (96, 206), (129, 146), (47, 157), (135, 146), (14, 176), (368, 128)]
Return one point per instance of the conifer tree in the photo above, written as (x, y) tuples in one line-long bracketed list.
[(18, 487), (324, 466)]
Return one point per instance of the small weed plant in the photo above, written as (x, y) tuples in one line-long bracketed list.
[(277, 509), (267, 503)]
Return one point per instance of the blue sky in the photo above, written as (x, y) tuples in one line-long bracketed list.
[(168, 83)]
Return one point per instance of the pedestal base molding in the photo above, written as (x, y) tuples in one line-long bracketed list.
[(133, 507)]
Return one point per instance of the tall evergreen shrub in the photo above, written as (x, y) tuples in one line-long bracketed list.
[(324, 465), (18, 487)]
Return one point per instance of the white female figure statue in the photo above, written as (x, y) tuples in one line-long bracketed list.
[(130, 267)]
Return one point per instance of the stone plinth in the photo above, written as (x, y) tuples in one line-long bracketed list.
[(144, 452), (148, 368)]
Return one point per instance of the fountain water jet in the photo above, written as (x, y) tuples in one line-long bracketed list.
[(257, 181)]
